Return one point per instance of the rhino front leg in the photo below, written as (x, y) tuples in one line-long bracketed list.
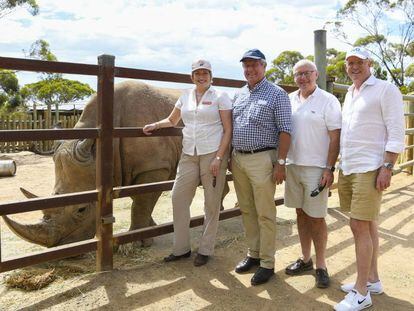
[(143, 205)]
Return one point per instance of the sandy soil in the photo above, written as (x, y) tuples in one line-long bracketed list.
[(141, 280)]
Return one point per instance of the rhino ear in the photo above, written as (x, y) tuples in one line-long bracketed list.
[(84, 150)]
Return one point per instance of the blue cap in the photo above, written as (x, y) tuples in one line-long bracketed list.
[(253, 54)]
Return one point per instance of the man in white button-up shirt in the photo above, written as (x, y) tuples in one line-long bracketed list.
[(371, 138)]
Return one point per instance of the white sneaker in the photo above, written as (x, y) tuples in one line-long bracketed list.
[(354, 301), (373, 288)]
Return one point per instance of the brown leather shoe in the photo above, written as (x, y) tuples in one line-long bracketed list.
[(200, 260), (172, 257), (246, 264)]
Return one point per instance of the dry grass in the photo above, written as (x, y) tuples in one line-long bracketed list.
[(33, 279)]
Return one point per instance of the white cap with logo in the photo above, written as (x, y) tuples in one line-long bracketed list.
[(200, 64), (359, 52)]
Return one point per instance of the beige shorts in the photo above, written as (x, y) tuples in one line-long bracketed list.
[(358, 195), (300, 182)]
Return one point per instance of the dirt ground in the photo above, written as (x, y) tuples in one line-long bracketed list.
[(141, 280)]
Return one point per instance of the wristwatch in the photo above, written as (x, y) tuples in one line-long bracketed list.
[(219, 158), (331, 168), (281, 161), (388, 165)]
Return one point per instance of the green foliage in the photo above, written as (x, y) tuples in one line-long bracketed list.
[(40, 49), (7, 6), (53, 89), (372, 18), (56, 91), (409, 72), (281, 70), (9, 89)]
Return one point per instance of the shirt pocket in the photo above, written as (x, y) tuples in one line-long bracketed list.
[(259, 111)]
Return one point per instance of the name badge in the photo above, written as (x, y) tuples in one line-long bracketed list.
[(206, 103)]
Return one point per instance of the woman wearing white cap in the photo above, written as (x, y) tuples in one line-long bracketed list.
[(206, 113)]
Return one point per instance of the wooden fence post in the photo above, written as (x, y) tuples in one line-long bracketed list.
[(104, 163)]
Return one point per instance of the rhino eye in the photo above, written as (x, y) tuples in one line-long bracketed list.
[(81, 210)]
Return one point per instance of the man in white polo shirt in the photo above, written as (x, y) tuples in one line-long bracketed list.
[(372, 136), (316, 118)]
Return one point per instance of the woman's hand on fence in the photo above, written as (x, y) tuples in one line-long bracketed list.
[(149, 128)]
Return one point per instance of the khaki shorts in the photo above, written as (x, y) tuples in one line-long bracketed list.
[(358, 195), (300, 182)]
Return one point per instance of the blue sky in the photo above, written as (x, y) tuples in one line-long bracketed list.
[(167, 35)]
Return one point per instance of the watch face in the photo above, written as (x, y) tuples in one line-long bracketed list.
[(281, 162)]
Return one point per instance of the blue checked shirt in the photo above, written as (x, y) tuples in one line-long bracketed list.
[(259, 115)]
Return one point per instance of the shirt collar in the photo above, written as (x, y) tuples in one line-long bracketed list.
[(258, 85), (314, 93), (370, 81)]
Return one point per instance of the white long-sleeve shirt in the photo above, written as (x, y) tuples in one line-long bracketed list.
[(372, 123)]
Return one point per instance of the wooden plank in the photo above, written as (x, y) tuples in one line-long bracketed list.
[(131, 73), (153, 231), (13, 142), (59, 252), (104, 163), (2, 143), (48, 202), (47, 66), (127, 191), (137, 132), (49, 134)]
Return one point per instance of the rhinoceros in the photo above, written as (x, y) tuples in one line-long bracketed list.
[(136, 161)]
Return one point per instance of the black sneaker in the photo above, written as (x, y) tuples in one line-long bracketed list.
[(299, 266), (322, 278)]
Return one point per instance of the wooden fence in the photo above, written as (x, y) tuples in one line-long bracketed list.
[(33, 121), (104, 134)]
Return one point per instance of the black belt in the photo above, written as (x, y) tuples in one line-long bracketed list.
[(256, 150)]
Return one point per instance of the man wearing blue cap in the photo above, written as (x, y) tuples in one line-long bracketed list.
[(371, 138), (261, 138)]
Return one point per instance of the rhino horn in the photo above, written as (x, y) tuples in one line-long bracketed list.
[(40, 233), (83, 150), (28, 194)]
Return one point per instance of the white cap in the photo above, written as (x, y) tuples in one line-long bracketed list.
[(359, 52), (200, 64)]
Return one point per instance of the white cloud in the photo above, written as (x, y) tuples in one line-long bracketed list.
[(168, 35)]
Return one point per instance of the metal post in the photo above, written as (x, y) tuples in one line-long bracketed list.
[(320, 56), (104, 163)]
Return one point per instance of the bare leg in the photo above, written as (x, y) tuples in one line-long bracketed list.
[(305, 234), (373, 273), (320, 238), (364, 251)]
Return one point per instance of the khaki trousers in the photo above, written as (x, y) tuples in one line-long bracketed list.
[(192, 170), (255, 190)]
